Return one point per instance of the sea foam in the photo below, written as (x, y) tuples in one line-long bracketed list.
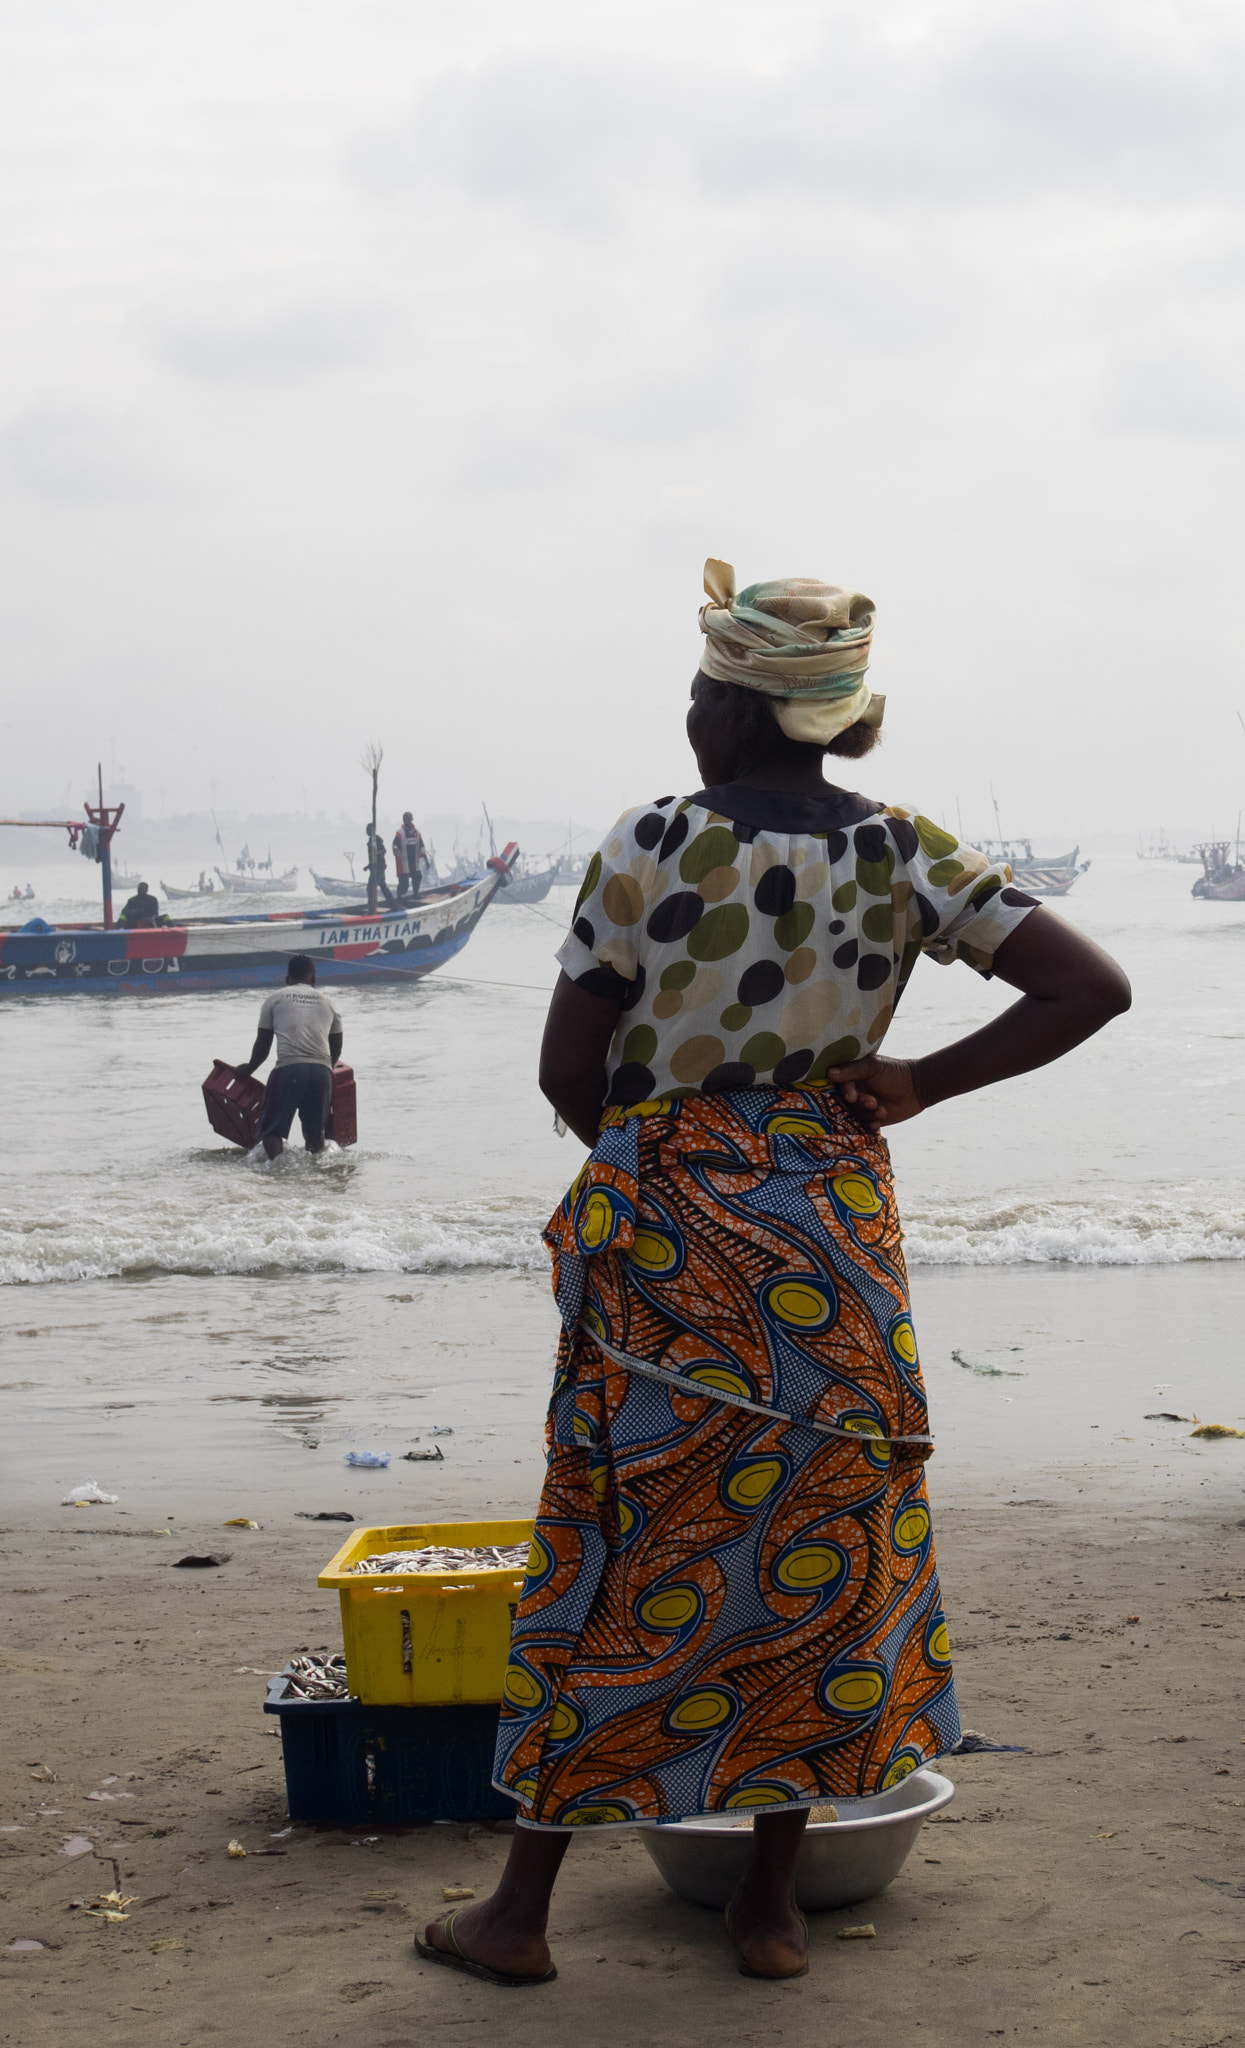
[(335, 1230)]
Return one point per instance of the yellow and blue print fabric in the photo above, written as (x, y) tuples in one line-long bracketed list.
[(724, 1611)]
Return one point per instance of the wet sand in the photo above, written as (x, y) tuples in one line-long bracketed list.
[(234, 1394), (1090, 1890)]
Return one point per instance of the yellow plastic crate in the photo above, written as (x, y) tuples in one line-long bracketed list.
[(427, 1638)]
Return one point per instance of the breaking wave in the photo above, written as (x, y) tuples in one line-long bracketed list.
[(305, 1219), (305, 1237), (1176, 1229)]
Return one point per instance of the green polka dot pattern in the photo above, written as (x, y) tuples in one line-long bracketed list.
[(743, 954)]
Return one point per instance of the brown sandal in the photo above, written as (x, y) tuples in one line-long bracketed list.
[(455, 1959)]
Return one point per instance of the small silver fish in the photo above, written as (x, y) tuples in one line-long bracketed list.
[(475, 1557), (315, 1677)]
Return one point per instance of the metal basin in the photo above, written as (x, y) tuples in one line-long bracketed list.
[(839, 1864)]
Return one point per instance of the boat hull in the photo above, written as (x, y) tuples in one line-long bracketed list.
[(1231, 891), (244, 952), (260, 885), (530, 888), (1045, 881)]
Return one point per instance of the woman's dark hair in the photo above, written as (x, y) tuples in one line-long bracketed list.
[(759, 731)]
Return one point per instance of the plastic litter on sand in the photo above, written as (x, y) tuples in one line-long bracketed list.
[(89, 1494), (987, 1372), (112, 1906), (866, 1933), (439, 1557), (370, 1460), (235, 1849), (1216, 1429), (196, 1560)]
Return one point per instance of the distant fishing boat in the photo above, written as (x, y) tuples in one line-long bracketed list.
[(250, 951), (1044, 881), (1019, 855), (188, 895), (1221, 880), (333, 885), (532, 887), (256, 884), (1041, 874)]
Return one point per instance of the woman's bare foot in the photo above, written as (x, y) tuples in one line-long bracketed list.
[(762, 1919), (770, 1934), (488, 1934)]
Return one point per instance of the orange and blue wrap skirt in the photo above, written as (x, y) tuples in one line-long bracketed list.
[(732, 1601)]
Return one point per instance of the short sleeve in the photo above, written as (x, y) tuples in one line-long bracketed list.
[(967, 904), (601, 951), (265, 1014)]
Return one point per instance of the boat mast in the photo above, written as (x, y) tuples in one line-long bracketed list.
[(106, 819), (371, 758)]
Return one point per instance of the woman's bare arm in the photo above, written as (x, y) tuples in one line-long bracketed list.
[(1070, 989), (577, 1037)]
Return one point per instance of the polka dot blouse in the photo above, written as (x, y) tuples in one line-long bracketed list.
[(756, 936)]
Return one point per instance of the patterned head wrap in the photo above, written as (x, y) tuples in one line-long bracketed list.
[(804, 644)]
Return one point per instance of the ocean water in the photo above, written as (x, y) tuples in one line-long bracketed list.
[(1129, 1152), (156, 1281)]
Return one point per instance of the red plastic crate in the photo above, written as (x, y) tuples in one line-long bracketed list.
[(235, 1103), (343, 1123)]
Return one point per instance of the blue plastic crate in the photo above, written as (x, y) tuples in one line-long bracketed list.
[(351, 1765)]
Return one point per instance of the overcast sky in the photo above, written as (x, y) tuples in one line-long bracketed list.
[(388, 370)]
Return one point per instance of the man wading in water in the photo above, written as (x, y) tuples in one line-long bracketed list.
[(308, 1031)]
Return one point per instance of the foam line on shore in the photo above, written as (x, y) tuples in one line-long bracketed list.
[(332, 1229)]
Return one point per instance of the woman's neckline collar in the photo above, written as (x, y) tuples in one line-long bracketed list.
[(779, 810)]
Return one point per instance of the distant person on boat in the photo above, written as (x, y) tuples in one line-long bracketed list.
[(377, 861), (410, 857), (308, 1031), (142, 910), (29, 896)]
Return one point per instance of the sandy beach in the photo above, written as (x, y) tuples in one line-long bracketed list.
[(1087, 1890)]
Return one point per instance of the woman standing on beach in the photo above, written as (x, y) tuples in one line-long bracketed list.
[(732, 1603)]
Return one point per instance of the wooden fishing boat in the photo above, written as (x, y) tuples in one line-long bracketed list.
[(1222, 880), (260, 885), (1020, 857), (185, 895), (250, 951), (532, 887), (336, 885), (1044, 881), (1040, 874)]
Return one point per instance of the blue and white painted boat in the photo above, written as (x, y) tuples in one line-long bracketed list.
[(251, 951)]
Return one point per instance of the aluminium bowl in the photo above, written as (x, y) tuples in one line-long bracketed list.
[(840, 1863)]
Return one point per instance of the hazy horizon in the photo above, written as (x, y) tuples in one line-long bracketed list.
[(388, 372)]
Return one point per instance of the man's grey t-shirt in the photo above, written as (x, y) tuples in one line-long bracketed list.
[(302, 1019)]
